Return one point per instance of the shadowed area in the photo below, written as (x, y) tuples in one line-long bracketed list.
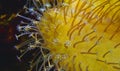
[(8, 59)]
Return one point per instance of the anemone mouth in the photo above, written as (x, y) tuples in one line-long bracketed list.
[(79, 35)]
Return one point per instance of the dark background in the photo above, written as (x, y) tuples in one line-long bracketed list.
[(8, 59)]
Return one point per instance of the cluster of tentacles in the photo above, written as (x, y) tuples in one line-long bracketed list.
[(71, 35)]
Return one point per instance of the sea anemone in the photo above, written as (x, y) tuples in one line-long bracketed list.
[(81, 35)]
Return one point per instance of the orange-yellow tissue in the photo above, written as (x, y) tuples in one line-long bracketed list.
[(83, 35)]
